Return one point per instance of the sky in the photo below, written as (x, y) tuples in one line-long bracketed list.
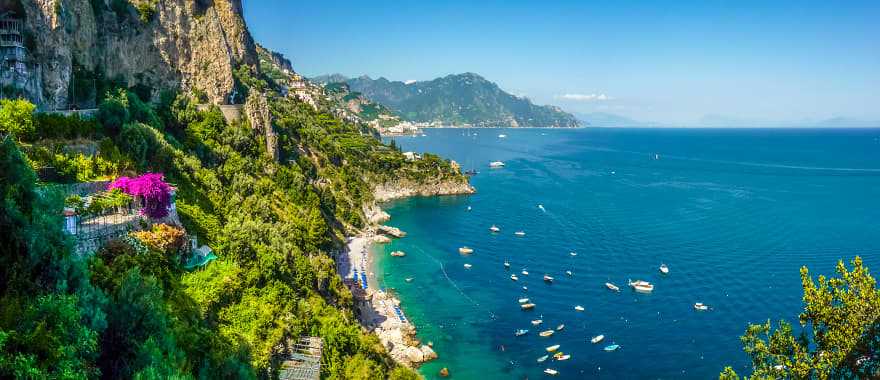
[(660, 61)]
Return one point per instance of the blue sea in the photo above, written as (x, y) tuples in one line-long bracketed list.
[(734, 213)]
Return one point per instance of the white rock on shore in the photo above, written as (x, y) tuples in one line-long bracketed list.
[(403, 189)]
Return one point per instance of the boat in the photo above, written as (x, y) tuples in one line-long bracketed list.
[(543, 358), (506, 264), (560, 327), (664, 269), (553, 348), (568, 272), (527, 306), (467, 266), (469, 208), (496, 164), (546, 333), (542, 208), (470, 173), (409, 279), (641, 286), (597, 339), (523, 300), (612, 347), (494, 228), (612, 287), (520, 233), (521, 332), (573, 254), (547, 278), (525, 288), (537, 322), (699, 306), (579, 308), (398, 254), (514, 278), (525, 272), (563, 357), (501, 136), (551, 371), (465, 250)]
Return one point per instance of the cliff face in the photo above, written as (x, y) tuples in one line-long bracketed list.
[(186, 44), (406, 188)]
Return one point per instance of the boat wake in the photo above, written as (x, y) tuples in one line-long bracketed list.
[(457, 288)]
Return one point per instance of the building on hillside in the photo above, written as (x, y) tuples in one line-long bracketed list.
[(19, 73)]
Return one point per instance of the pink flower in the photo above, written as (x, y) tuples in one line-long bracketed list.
[(151, 188)]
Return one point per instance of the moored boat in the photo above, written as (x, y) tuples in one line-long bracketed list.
[(494, 228), (552, 348), (699, 306), (527, 306), (563, 357), (641, 286), (537, 322), (398, 254), (546, 333), (506, 264), (560, 327), (597, 339), (523, 300), (465, 250), (521, 332), (579, 308), (525, 272), (543, 358), (496, 164), (548, 279), (514, 278), (664, 269), (467, 266), (409, 279), (520, 233), (612, 287), (573, 253), (551, 371), (612, 347), (568, 272)]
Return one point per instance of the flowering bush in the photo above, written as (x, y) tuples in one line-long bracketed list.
[(155, 193), (162, 237)]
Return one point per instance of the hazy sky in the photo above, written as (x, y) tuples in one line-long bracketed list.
[(667, 61)]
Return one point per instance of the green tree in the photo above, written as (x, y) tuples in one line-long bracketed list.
[(840, 337), (17, 117)]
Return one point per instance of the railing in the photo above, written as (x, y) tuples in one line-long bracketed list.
[(92, 231)]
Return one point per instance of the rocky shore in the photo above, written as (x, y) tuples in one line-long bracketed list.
[(404, 188)]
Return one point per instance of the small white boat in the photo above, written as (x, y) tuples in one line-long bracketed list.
[(543, 358), (612, 347), (612, 287), (398, 254), (525, 288), (514, 278), (547, 278), (541, 207), (546, 333), (467, 266), (560, 327), (573, 253), (527, 306), (520, 233), (465, 250), (579, 308), (551, 371), (562, 357), (469, 208), (525, 272), (523, 300), (506, 264), (641, 286), (664, 269), (496, 164), (521, 332), (409, 279), (568, 272), (597, 339), (501, 136), (552, 348), (699, 306), (537, 322), (494, 228)]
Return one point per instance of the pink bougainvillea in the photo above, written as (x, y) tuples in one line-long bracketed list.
[(150, 187)]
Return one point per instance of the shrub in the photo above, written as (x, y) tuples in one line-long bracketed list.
[(162, 238), (155, 193), (17, 117), (113, 111)]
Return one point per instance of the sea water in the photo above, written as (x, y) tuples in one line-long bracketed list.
[(733, 213)]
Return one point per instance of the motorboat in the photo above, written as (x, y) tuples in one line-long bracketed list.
[(543, 358), (612, 347), (469, 208), (514, 278), (612, 287), (579, 308), (527, 306), (546, 333), (641, 286), (409, 279), (494, 228), (501, 136), (664, 269), (551, 371), (398, 254), (573, 254), (523, 300), (467, 266), (552, 348), (465, 250), (537, 322), (699, 306), (568, 273), (562, 357), (560, 327), (525, 272), (520, 233), (496, 164), (597, 339), (506, 264), (542, 208), (521, 332), (547, 278)]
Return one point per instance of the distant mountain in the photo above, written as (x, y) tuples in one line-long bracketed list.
[(329, 78), (459, 99), (602, 119)]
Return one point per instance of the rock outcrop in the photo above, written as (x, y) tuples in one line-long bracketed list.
[(404, 188), (182, 44)]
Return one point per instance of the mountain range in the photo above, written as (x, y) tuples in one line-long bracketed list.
[(457, 99)]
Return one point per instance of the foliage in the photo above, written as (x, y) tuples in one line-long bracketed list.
[(840, 336), (151, 188), (162, 237), (147, 10), (17, 117), (58, 126)]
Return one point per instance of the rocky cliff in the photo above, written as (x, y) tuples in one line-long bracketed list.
[(186, 44), (406, 188)]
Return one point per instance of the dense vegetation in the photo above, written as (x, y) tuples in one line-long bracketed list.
[(130, 310), (458, 99), (839, 338)]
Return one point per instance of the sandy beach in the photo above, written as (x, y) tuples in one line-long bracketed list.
[(379, 311)]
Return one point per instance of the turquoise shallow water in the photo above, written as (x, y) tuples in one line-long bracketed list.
[(733, 213)]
